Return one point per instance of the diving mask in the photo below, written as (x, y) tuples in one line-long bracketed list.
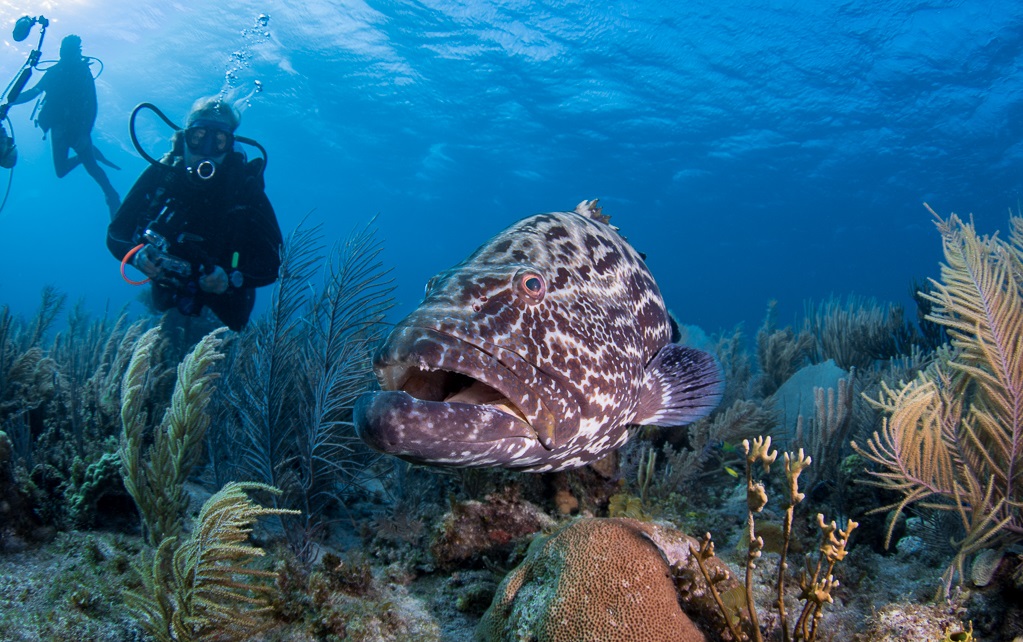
[(208, 138), (207, 141)]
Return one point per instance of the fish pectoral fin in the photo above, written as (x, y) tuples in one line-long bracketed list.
[(680, 385)]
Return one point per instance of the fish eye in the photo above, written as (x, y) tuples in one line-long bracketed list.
[(532, 286)]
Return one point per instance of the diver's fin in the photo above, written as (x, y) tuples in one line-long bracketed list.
[(103, 159), (680, 385)]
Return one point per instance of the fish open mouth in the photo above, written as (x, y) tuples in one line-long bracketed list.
[(446, 386), (446, 400)]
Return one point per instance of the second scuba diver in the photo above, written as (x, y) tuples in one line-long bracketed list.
[(198, 223), (68, 114)]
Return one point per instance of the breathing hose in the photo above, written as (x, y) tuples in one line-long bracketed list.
[(172, 125)]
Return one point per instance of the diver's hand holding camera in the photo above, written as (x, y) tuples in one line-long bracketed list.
[(145, 261), (161, 266), (215, 282)]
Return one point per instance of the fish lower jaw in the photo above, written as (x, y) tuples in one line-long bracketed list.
[(426, 383)]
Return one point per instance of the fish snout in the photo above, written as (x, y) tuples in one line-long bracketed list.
[(374, 417)]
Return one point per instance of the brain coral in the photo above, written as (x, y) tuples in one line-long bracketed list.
[(595, 580)]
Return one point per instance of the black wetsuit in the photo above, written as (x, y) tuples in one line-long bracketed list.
[(70, 103), (226, 221), (69, 114)]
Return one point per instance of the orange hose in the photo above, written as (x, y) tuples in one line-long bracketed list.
[(124, 261)]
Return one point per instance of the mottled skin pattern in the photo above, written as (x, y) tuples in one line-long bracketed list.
[(557, 314)]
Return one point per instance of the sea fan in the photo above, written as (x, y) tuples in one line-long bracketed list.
[(300, 369), (954, 438)]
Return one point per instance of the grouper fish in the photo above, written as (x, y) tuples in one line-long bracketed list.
[(536, 353)]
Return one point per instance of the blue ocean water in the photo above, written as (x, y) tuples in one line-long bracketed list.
[(753, 150)]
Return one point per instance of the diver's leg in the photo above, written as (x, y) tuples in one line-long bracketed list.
[(60, 142), (103, 159), (86, 152), (163, 298), (232, 307)]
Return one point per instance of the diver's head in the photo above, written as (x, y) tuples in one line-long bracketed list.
[(209, 136), (71, 47)]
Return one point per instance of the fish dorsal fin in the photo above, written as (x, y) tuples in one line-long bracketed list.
[(589, 209), (680, 385)]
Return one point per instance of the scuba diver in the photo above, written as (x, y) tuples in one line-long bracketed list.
[(197, 222), (69, 110)]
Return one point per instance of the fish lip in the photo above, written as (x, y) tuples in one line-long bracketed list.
[(396, 423), (419, 351)]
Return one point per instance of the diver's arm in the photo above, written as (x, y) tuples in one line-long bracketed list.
[(28, 94), (260, 252), (134, 207), (33, 92)]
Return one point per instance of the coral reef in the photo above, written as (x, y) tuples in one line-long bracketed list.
[(385, 550), (293, 377), (780, 353), (100, 498), (16, 516), (858, 332), (59, 402), (595, 579)]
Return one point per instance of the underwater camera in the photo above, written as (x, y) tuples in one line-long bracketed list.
[(8, 148), (179, 268)]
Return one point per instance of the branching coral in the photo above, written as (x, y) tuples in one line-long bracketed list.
[(858, 332), (59, 400), (816, 581), (827, 432), (953, 439), (22, 357), (780, 353)]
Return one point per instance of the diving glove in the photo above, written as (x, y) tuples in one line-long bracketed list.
[(215, 282), (145, 260)]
